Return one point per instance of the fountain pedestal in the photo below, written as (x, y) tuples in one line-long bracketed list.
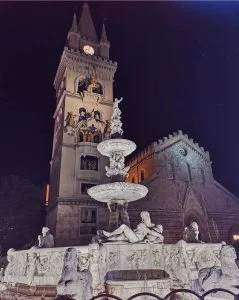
[(117, 194)]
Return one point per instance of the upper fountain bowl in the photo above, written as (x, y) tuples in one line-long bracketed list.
[(117, 191), (126, 147)]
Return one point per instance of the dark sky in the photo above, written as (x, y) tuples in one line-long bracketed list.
[(178, 69)]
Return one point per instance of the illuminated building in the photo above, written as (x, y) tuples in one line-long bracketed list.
[(176, 170)]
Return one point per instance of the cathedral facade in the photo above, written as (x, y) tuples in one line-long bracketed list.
[(176, 170)]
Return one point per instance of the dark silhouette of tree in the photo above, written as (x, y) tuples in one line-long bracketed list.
[(22, 212)]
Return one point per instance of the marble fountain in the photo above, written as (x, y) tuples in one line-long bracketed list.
[(121, 261)]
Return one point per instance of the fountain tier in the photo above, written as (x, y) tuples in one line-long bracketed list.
[(125, 147), (118, 191)]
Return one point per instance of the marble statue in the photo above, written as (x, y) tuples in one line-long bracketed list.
[(97, 268), (45, 240), (225, 275), (116, 124), (117, 165), (73, 283), (145, 231), (191, 233)]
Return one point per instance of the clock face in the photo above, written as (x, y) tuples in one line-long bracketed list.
[(88, 49)]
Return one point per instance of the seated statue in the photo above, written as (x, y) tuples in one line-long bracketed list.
[(145, 230), (191, 233), (45, 240), (224, 276)]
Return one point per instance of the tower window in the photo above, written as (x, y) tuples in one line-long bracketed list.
[(81, 137), (82, 85), (96, 138), (97, 88), (142, 175), (89, 163)]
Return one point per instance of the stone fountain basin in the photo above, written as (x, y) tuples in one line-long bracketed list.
[(121, 191), (124, 146)]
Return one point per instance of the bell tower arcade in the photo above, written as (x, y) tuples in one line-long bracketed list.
[(84, 92)]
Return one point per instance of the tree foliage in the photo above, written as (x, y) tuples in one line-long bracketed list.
[(21, 212)]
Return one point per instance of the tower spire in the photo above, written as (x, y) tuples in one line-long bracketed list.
[(86, 25), (74, 24), (103, 35)]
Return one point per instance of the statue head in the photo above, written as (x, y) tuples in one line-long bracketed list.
[(145, 216), (45, 230)]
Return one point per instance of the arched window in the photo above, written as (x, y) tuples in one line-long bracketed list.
[(189, 173), (97, 88), (202, 176), (97, 116), (170, 170), (142, 175), (81, 137), (89, 162), (82, 85), (96, 138)]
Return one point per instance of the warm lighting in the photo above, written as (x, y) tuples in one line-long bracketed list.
[(47, 195), (236, 237)]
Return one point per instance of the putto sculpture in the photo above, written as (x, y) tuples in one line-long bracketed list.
[(46, 240)]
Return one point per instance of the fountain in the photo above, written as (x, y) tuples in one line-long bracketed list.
[(124, 261), (117, 194)]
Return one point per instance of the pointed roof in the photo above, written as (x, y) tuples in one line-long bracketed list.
[(103, 34), (86, 25), (74, 24)]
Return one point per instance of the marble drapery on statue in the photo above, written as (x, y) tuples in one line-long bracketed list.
[(46, 240)]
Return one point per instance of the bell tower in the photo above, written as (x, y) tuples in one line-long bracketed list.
[(84, 99)]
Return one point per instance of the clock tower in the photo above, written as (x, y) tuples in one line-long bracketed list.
[(84, 99)]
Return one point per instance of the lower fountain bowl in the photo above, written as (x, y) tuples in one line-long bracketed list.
[(118, 191)]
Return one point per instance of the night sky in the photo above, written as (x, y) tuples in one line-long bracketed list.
[(178, 69)]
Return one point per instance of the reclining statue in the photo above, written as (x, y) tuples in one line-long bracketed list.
[(46, 240), (145, 231)]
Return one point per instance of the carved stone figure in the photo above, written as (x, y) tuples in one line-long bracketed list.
[(191, 233), (74, 283), (224, 276), (143, 230), (117, 166), (116, 124), (97, 267), (153, 238), (45, 240), (177, 265)]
